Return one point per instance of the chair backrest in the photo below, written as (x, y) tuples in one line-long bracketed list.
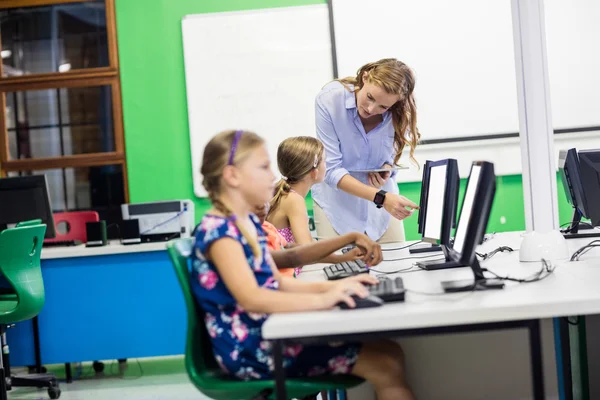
[(29, 223), (20, 250), (199, 355), (75, 222)]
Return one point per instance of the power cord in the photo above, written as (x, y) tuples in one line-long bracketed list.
[(487, 256), (403, 247), (413, 258), (546, 270), (581, 251), (570, 228)]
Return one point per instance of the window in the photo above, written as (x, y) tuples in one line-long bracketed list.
[(61, 95)]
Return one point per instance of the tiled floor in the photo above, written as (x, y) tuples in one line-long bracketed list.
[(160, 378)]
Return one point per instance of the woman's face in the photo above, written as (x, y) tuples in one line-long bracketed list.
[(373, 100)]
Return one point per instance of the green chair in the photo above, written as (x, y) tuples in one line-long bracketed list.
[(200, 362), (20, 249)]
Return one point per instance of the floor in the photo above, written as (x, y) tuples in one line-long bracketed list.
[(154, 378)]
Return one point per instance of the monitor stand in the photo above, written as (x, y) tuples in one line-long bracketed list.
[(468, 285), (434, 265), (572, 232), (425, 248)]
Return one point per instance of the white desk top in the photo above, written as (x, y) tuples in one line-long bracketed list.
[(570, 290), (114, 247)]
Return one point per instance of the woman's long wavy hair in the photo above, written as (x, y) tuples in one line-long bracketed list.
[(394, 77)]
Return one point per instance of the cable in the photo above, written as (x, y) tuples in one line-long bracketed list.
[(547, 267), (395, 272), (403, 247), (570, 228), (501, 249), (581, 251), (414, 258)]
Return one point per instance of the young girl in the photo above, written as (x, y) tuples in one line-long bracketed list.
[(236, 282), (301, 161)]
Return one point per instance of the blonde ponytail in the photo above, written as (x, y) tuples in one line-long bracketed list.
[(222, 207), (281, 190)]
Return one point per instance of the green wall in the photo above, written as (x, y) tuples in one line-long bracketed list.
[(155, 108)]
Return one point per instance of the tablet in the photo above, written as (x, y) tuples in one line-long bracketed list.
[(379, 169)]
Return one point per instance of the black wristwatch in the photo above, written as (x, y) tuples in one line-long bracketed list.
[(379, 198)]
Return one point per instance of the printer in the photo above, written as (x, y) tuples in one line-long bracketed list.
[(162, 220)]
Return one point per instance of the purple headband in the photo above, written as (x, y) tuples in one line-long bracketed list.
[(236, 139)]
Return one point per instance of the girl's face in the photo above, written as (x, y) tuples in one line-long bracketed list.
[(257, 181), (373, 100)]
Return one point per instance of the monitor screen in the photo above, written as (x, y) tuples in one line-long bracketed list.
[(467, 207), (590, 179), (25, 198), (435, 203)]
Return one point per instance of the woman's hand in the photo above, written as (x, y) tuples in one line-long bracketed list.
[(399, 206), (378, 179)]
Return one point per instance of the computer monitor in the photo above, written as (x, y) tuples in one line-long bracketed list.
[(425, 247), (570, 173), (25, 198), (472, 223), (424, 196), (590, 178), (442, 188)]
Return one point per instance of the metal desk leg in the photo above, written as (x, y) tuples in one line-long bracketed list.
[(68, 374), (280, 393), (36, 345), (537, 370), (562, 349)]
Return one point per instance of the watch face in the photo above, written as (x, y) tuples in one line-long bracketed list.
[(379, 198)]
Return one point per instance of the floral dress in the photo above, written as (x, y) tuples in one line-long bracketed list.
[(235, 333)]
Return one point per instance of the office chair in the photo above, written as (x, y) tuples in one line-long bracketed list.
[(20, 249), (200, 362)]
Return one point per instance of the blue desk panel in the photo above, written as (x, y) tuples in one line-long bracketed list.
[(107, 307)]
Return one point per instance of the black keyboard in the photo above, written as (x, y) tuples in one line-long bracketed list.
[(62, 243), (345, 269), (388, 290)]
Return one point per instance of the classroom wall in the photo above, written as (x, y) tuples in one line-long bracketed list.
[(155, 109), (156, 121)]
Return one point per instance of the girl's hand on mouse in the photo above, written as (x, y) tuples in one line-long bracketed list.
[(342, 291)]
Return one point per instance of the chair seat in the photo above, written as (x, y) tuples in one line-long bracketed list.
[(219, 386), (8, 302)]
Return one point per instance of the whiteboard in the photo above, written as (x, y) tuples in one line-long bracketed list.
[(256, 70), (462, 54)]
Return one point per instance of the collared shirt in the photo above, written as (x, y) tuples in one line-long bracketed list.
[(348, 147)]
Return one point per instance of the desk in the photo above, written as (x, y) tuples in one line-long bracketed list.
[(568, 291), (105, 303)]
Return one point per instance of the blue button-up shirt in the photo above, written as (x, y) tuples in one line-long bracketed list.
[(348, 147)]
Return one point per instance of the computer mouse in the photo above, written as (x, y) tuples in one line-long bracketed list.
[(366, 302)]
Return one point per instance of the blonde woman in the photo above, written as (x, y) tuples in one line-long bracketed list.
[(365, 122)]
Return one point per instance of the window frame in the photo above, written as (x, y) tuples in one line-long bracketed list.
[(101, 76)]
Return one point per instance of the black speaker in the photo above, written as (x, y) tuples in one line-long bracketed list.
[(96, 233), (130, 231)]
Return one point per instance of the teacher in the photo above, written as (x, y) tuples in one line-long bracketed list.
[(365, 123)]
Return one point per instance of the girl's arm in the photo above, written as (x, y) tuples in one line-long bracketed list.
[(294, 208), (228, 256), (317, 250)]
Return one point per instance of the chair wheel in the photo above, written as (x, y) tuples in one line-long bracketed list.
[(54, 392)]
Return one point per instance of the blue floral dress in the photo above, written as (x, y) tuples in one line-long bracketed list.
[(235, 333)]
